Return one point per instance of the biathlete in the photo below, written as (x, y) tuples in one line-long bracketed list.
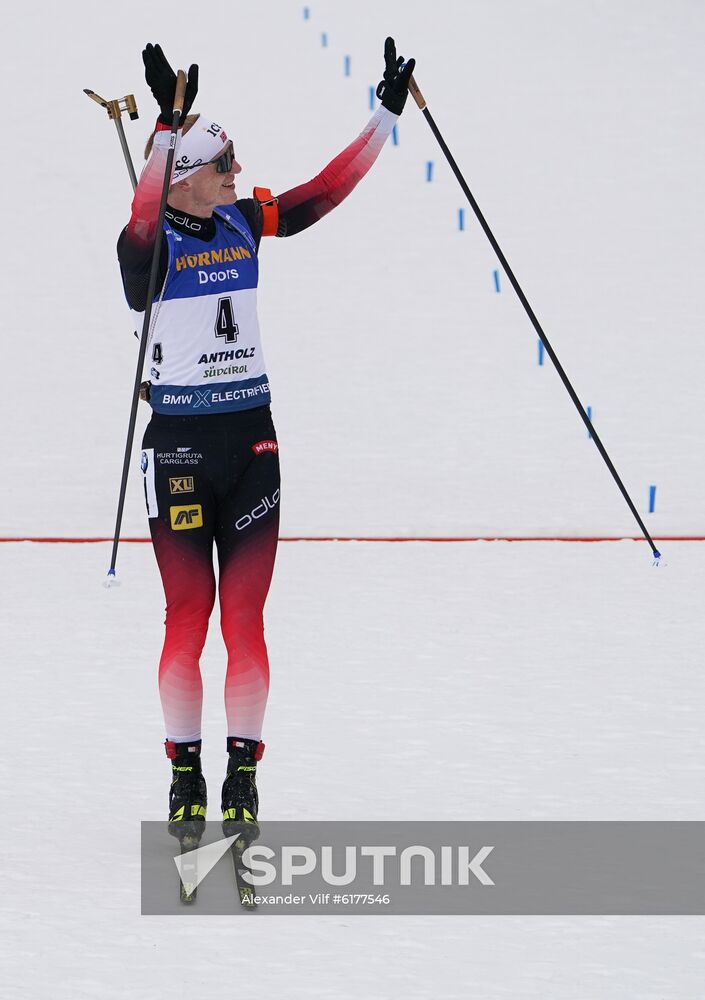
[(209, 458)]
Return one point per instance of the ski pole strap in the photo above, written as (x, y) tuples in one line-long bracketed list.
[(255, 748), (270, 210)]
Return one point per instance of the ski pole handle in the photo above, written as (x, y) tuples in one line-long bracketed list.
[(180, 91), (416, 93)]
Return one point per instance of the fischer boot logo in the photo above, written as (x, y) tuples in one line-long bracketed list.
[(190, 516)]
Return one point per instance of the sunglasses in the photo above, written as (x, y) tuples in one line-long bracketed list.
[(223, 163)]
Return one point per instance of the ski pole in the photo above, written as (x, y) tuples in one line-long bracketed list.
[(419, 98), (151, 288), (115, 110)]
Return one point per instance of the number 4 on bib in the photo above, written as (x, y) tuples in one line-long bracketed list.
[(225, 325)]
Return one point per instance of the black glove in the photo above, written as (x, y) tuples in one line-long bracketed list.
[(392, 90), (162, 82)]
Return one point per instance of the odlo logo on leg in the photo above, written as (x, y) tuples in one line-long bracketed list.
[(190, 516), (260, 510)]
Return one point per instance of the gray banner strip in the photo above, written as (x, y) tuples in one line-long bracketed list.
[(441, 868)]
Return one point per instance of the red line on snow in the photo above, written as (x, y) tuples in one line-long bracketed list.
[(410, 538)]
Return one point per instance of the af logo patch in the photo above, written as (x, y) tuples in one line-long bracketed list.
[(184, 484), (183, 518)]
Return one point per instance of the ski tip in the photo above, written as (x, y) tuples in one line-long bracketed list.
[(111, 580), (188, 894)]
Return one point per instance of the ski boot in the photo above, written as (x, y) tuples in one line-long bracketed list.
[(239, 800), (187, 795)]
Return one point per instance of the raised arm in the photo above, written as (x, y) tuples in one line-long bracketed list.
[(137, 240), (142, 227), (300, 207)]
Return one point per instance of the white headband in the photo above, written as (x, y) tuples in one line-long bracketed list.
[(203, 142)]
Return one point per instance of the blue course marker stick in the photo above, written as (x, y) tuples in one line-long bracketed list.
[(496, 280), (540, 352), (372, 98), (346, 66), (652, 499), (461, 218), (395, 136), (588, 410), (324, 39), (429, 170), (307, 13)]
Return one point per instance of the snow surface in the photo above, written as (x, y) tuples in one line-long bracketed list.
[(480, 681)]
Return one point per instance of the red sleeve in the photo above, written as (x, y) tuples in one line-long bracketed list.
[(142, 227), (300, 207)]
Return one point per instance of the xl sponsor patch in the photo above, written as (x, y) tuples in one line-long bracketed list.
[(188, 516), (184, 484)]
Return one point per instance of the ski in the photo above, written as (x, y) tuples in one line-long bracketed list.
[(245, 889), (188, 879)]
